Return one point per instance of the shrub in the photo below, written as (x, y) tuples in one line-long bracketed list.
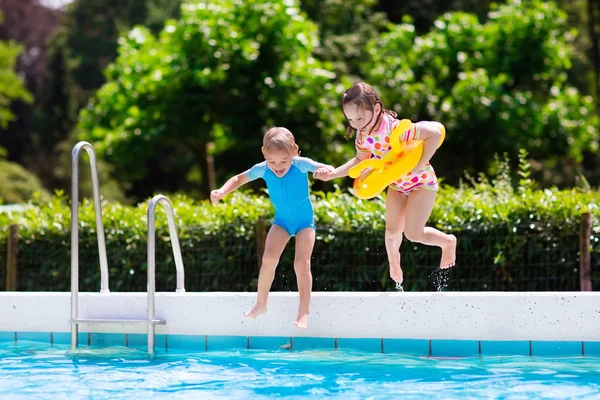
[(509, 239)]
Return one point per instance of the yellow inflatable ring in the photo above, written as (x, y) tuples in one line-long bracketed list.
[(399, 161)]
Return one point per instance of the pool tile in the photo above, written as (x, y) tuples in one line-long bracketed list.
[(371, 345), (564, 349), (591, 349), (312, 343), (7, 336), (227, 342), (43, 337), (82, 339), (186, 342), (61, 338), (414, 347), (140, 341), (160, 341), (454, 348), (270, 342), (505, 348), (107, 339)]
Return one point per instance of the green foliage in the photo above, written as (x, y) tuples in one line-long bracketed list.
[(344, 29), (220, 74), (91, 29), (11, 85), (53, 119), (67, 50), (498, 86), (509, 239), (425, 12), (17, 185)]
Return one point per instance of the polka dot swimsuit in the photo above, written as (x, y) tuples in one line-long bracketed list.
[(378, 144)]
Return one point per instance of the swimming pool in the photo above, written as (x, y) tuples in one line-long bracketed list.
[(358, 345), (43, 371)]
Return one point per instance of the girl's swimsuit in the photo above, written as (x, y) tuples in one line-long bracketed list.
[(378, 144)]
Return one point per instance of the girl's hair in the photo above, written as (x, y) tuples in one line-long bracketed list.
[(279, 138), (365, 97)]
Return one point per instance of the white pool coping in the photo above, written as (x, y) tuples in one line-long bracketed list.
[(555, 316)]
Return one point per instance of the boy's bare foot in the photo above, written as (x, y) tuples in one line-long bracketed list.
[(396, 273), (256, 311), (449, 253), (302, 321)]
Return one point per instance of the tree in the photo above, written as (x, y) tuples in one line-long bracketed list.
[(344, 29), (498, 86), (54, 119), (425, 12), (29, 24), (91, 29), (63, 52), (76, 54), (222, 73), (11, 85)]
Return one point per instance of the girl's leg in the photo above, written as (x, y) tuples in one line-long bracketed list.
[(276, 240), (305, 242), (418, 209), (395, 212)]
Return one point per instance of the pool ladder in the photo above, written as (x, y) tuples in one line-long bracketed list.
[(151, 321)]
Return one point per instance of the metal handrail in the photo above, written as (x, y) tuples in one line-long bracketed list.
[(75, 230), (151, 321), (160, 199)]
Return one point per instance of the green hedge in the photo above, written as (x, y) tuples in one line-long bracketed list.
[(509, 239)]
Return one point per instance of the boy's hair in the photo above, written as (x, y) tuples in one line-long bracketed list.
[(365, 97), (279, 138)]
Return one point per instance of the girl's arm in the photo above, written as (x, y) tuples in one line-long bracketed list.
[(342, 170), (430, 134), (231, 185)]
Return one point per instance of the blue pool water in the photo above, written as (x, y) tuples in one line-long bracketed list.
[(30, 370)]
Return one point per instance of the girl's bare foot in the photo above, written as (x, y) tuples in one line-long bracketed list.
[(396, 273), (256, 311), (302, 321), (449, 253)]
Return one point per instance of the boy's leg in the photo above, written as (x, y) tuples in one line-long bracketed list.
[(418, 209), (305, 242), (395, 211), (276, 240)]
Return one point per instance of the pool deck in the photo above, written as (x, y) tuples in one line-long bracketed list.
[(545, 316)]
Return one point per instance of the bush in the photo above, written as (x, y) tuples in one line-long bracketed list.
[(18, 185), (509, 239)]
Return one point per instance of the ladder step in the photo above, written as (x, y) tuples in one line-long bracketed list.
[(118, 321)]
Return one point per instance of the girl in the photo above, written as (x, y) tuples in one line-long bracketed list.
[(286, 175), (411, 198)]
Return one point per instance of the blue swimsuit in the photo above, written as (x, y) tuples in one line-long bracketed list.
[(289, 194)]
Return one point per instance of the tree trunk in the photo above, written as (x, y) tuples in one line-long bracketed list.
[(207, 167)]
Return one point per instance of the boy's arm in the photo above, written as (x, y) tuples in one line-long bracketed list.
[(235, 182), (231, 185), (308, 165)]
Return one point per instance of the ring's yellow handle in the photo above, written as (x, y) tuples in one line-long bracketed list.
[(398, 161)]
